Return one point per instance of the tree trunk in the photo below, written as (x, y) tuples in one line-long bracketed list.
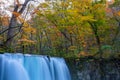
[(11, 31), (13, 23), (95, 31)]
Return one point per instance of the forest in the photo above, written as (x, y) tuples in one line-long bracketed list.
[(65, 28)]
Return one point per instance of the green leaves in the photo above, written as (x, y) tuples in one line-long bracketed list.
[(105, 47)]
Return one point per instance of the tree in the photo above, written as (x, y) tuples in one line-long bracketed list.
[(13, 22), (76, 21), (16, 22)]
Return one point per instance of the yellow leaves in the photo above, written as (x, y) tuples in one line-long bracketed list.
[(99, 10), (16, 14), (24, 36), (70, 29), (43, 5), (26, 27), (82, 5), (26, 40), (98, 6), (33, 30), (87, 18), (64, 4), (72, 10), (72, 48), (74, 13), (25, 23), (118, 13), (1, 38), (29, 30)]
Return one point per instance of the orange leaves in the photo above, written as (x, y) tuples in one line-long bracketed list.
[(5, 21), (82, 53), (35, 11), (116, 13), (16, 14)]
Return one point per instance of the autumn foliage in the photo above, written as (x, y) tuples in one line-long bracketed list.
[(77, 28)]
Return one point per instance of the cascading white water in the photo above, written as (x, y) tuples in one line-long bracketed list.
[(32, 67)]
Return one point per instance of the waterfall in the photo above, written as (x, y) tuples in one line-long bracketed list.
[(32, 67)]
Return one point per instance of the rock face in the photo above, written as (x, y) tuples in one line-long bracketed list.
[(95, 70)]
